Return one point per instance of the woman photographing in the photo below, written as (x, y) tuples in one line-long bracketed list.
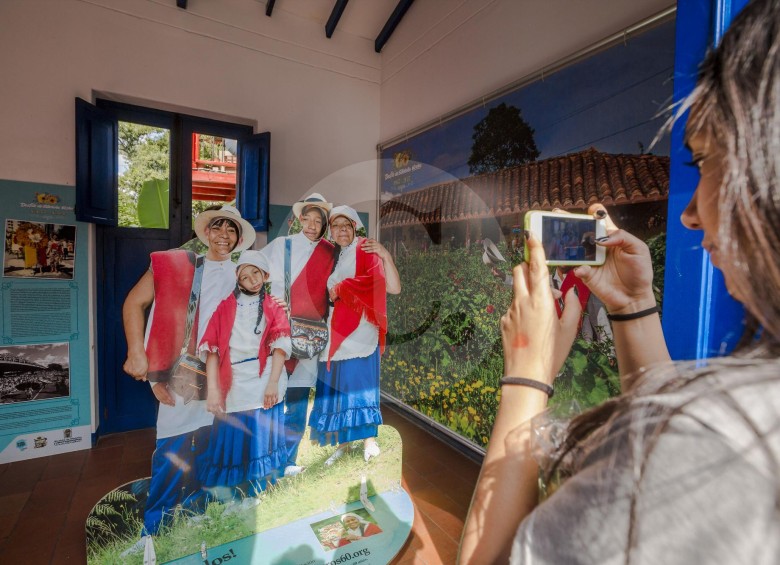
[(684, 467)]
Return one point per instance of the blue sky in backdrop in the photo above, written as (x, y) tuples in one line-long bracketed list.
[(615, 101)]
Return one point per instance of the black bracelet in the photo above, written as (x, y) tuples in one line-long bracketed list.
[(634, 316), (544, 387)]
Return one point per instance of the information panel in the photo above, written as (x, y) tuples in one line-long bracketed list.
[(44, 343)]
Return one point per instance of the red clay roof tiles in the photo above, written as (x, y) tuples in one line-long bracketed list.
[(570, 181)]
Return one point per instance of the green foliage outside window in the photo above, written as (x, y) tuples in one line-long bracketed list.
[(444, 356), (144, 156)]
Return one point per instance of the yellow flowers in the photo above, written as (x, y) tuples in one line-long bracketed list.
[(466, 404)]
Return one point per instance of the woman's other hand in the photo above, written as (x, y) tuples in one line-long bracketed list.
[(162, 394), (281, 303), (271, 395), (373, 246), (624, 283), (536, 342)]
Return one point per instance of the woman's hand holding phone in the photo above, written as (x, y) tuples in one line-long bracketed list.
[(624, 283), (535, 341)]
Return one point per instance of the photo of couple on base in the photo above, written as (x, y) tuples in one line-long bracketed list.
[(232, 352)]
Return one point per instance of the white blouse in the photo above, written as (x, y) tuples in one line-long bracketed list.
[(248, 389)]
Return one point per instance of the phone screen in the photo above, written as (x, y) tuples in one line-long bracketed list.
[(569, 239)]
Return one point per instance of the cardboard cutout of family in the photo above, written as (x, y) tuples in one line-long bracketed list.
[(232, 352)]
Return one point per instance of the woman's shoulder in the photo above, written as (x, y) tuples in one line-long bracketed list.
[(692, 465), (717, 391)]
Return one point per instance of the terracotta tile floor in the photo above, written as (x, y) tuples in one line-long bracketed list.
[(44, 502)]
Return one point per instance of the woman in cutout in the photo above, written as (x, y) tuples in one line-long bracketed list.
[(346, 401)]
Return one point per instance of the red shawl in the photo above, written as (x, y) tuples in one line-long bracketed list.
[(365, 294), (309, 292), (217, 335), (173, 271)]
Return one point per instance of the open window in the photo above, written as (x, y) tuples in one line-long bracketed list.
[(137, 166)]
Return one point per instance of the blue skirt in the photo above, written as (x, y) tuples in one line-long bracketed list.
[(246, 447), (346, 402)]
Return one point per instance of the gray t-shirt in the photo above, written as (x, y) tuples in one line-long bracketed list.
[(702, 489)]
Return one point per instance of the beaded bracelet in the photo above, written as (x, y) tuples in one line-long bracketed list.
[(634, 316), (544, 387)]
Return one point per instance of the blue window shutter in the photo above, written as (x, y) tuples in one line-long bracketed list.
[(700, 318), (96, 165), (254, 172)]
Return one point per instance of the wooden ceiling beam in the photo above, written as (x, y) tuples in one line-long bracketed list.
[(391, 24), (335, 16)]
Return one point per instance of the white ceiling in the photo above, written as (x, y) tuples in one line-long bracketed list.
[(363, 18)]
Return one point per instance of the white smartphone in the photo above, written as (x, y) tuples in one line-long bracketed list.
[(568, 239)]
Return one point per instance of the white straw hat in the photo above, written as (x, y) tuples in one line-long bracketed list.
[(314, 199), (245, 239)]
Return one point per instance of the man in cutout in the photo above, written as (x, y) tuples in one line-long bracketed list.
[(183, 423)]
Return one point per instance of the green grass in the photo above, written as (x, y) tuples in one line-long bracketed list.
[(317, 489)]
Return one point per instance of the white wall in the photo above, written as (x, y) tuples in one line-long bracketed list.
[(223, 59), (320, 98), (446, 54)]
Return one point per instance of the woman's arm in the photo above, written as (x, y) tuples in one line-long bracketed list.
[(535, 345), (272, 389), (215, 403), (392, 278), (134, 308)]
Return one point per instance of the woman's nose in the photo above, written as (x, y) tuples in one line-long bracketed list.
[(690, 216)]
